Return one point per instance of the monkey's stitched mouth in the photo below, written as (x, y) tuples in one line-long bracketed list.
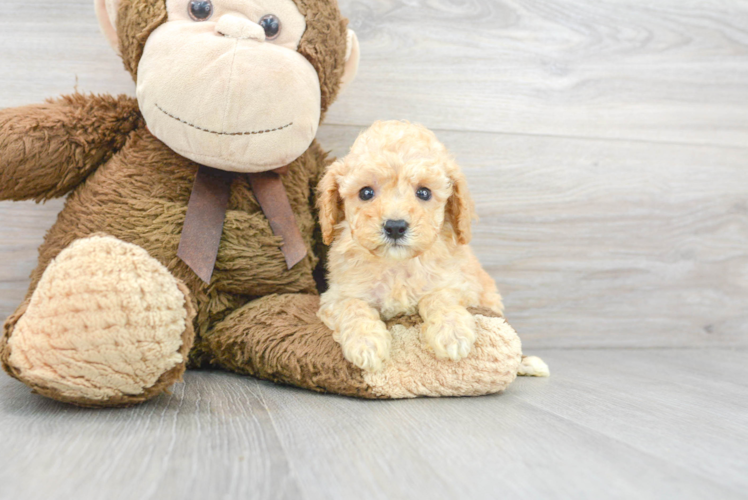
[(254, 132)]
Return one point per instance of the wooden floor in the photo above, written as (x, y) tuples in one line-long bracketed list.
[(652, 423), (606, 144)]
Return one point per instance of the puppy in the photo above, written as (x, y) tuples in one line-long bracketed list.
[(397, 212)]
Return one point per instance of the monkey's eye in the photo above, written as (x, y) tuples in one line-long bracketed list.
[(424, 193), (201, 10), (366, 193), (272, 26)]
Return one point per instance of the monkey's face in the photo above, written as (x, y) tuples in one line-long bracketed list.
[(221, 82)]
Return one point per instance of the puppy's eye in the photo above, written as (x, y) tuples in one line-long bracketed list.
[(272, 26), (424, 194), (366, 193), (201, 10)]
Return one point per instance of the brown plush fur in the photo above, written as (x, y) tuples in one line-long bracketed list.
[(279, 338), (48, 149), (140, 196), (295, 347), (136, 20), (324, 45), (127, 184)]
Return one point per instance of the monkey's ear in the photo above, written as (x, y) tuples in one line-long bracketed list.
[(106, 12), (352, 57), (329, 203), (460, 206)]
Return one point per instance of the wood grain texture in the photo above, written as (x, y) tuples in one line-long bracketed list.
[(22, 229), (606, 144), (53, 48), (594, 242), (674, 71), (670, 70), (608, 243), (607, 424), (578, 434), (200, 442)]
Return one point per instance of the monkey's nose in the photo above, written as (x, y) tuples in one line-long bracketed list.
[(395, 229), (233, 26)]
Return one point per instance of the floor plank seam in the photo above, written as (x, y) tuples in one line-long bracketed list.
[(291, 467), (635, 348), (625, 444), (566, 137)]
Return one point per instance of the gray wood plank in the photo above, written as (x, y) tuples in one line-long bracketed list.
[(663, 71), (592, 243), (52, 48), (22, 229), (688, 408), (608, 243), (650, 423), (612, 242), (213, 438), (670, 71), (586, 432)]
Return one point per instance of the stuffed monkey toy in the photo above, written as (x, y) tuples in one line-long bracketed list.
[(189, 235)]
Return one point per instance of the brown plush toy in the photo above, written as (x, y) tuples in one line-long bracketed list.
[(188, 238)]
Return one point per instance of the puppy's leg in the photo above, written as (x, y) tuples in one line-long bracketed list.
[(492, 300), (448, 328), (359, 330), (489, 296)]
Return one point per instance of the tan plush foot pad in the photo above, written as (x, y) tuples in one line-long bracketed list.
[(533, 366), (280, 338), (107, 325)]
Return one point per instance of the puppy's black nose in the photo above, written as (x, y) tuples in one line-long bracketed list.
[(395, 229)]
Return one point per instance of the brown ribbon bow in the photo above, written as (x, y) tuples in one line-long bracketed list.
[(206, 212)]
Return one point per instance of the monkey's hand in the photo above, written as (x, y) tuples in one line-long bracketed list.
[(47, 149)]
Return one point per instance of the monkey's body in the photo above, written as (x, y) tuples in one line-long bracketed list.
[(113, 317), (139, 195)]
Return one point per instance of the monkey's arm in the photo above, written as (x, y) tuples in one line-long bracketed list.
[(47, 149)]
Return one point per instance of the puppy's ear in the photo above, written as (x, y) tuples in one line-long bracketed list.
[(460, 208), (330, 207)]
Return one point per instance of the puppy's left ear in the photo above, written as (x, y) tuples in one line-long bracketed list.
[(331, 212), (460, 207)]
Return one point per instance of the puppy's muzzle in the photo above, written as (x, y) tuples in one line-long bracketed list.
[(395, 229)]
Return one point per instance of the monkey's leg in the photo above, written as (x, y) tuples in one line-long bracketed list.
[(533, 366), (280, 338), (107, 325)]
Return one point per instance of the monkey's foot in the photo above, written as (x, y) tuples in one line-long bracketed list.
[(533, 366), (107, 325)]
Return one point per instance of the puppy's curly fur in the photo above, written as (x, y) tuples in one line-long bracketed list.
[(428, 268)]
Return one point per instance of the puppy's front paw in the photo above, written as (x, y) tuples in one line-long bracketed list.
[(368, 351), (451, 335)]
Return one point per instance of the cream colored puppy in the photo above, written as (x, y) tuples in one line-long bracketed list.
[(397, 212)]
